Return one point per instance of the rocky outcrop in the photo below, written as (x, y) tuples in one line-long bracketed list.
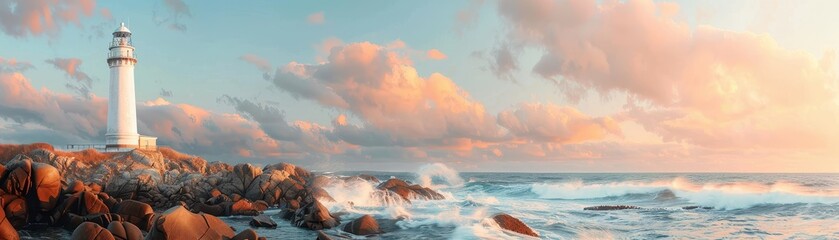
[(510, 223), (7, 231), (179, 223), (125, 231), (365, 225), (408, 191), (314, 216), (610, 207), (137, 213), (91, 231), (263, 221)]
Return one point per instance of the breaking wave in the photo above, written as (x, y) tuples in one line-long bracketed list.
[(734, 195), (428, 173)]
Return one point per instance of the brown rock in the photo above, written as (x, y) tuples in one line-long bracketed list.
[(365, 225), (18, 178), (7, 231), (91, 231), (80, 204), (508, 222), (263, 221), (247, 234), (46, 181), (138, 213), (15, 210), (322, 236), (314, 216), (179, 223), (125, 231)]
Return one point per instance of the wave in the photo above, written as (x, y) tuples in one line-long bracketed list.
[(438, 171), (733, 195)]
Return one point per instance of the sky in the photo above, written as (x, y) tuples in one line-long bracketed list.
[(524, 85)]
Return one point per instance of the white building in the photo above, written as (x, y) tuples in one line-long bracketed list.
[(122, 105)]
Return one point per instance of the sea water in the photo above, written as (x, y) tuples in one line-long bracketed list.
[(728, 205)]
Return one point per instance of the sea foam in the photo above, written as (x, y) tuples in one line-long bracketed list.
[(732, 195)]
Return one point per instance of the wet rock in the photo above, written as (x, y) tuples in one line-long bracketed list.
[(244, 207), (408, 192), (7, 231), (125, 231), (78, 205), (91, 231), (138, 213), (365, 225), (15, 210), (247, 234), (179, 223), (321, 194), (314, 216), (610, 207), (263, 221), (511, 223), (322, 236), (17, 179)]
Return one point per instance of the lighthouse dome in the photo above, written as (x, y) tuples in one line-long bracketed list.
[(122, 29)]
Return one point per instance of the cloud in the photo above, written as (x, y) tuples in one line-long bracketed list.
[(165, 93), (70, 66), (435, 54), (316, 18), (559, 124), (13, 65), (260, 63), (21, 18), (701, 85), (384, 90), (176, 8)]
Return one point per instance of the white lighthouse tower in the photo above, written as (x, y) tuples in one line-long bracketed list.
[(122, 106)]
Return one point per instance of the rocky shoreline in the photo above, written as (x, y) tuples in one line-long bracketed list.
[(164, 194)]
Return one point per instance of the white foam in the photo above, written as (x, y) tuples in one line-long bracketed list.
[(427, 173), (734, 195)]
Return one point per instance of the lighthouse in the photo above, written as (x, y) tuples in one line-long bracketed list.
[(122, 105)]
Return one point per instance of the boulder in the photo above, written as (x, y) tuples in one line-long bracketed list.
[(72, 221), (247, 234), (314, 216), (322, 236), (263, 221), (138, 213), (179, 223), (243, 207), (47, 185), (510, 223), (7, 231), (408, 192), (321, 194), (15, 210), (91, 231), (365, 225), (80, 204), (18, 178), (125, 231)]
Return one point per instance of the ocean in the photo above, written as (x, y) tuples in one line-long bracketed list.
[(727, 206)]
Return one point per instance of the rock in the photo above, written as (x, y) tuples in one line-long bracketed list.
[(72, 221), (408, 192), (322, 236), (7, 231), (18, 177), (76, 186), (321, 194), (139, 214), (365, 225), (243, 207), (125, 231), (247, 234), (263, 221), (610, 207), (510, 223), (15, 210), (314, 216), (80, 204), (222, 209), (91, 231), (47, 185), (179, 223)]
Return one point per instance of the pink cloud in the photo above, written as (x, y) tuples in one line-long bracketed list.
[(552, 123), (382, 88), (260, 63), (435, 54), (702, 85), (71, 67), (38, 17), (316, 18)]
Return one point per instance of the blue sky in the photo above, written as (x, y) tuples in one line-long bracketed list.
[(200, 64)]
